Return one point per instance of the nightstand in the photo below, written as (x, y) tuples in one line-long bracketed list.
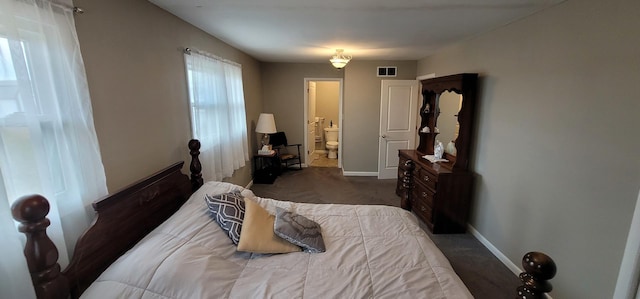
[(265, 168)]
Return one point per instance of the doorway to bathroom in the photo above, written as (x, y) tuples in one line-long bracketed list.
[(323, 122)]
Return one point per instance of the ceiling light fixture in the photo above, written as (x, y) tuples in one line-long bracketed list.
[(339, 60)]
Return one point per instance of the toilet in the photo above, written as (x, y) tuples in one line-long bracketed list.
[(331, 133)]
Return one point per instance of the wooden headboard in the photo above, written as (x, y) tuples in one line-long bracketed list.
[(122, 219)]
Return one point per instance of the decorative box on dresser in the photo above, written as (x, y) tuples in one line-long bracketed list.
[(439, 193)]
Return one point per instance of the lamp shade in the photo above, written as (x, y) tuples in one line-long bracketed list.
[(266, 124)]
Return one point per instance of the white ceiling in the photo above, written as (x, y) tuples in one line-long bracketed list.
[(311, 30)]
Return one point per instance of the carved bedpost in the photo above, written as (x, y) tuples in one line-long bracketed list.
[(538, 269), (195, 166), (41, 253), (405, 202)]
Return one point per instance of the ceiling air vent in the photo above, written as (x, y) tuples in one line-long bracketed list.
[(387, 71)]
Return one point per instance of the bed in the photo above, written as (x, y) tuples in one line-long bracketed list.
[(157, 239)]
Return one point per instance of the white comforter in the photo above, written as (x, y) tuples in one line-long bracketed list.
[(372, 252)]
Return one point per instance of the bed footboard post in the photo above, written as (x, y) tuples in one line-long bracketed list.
[(405, 201), (539, 268), (195, 166), (40, 252)]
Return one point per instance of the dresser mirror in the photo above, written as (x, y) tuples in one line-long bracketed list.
[(446, 115), (449, 104)]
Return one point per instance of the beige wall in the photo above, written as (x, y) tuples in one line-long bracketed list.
[(135, 67), (557, 150), (328, 101), (283, 94), (361, 124)]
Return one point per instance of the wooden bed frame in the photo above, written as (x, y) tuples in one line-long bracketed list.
[(125, 217)]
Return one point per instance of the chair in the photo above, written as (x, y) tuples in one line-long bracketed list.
[(284, 150)]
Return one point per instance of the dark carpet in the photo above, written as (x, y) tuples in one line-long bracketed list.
[(484, 275)]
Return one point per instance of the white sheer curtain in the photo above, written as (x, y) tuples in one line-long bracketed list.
[(48, 143), (218, 117)]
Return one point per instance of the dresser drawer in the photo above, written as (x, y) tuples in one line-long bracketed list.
[(400, 173), (420, 193), (425, 177), (423, 211), (402, 162)]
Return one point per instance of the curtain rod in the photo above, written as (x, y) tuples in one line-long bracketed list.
[(212, 56), (61, 4)]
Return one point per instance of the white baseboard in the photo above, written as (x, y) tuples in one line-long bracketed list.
[(497, 253), (358, 173)]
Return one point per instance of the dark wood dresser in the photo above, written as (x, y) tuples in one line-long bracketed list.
[(440, 193), (437, 195)]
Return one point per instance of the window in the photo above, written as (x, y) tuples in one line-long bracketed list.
[(48, 143), (218, 117), (24, 126)]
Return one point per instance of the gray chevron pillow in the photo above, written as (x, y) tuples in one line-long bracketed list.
[(299, 230), (227, 210)]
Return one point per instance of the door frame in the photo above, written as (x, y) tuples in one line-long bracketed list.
[(306, 109), (628, 282)]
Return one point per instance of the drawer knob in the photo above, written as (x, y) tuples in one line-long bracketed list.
[(422, 208), (426, 178)]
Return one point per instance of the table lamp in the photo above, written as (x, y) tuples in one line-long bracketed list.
[(266, 125)]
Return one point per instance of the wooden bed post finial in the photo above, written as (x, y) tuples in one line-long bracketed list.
[(539, 268), (195, 166), (40, 252)]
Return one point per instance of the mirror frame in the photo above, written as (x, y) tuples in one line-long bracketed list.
[(465, 85)]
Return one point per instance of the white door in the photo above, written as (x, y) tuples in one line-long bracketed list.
[(398, 113), (311, 125)]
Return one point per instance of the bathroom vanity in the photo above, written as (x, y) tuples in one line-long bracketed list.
[(439, 193)]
